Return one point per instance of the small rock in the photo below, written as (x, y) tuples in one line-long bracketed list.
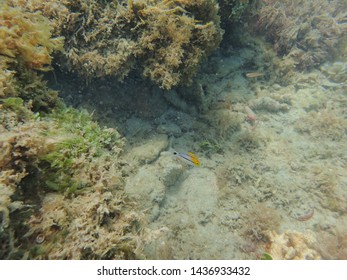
[(150, 151), (170, 170)]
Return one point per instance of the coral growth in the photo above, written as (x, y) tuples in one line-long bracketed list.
[(292, 245), (305, 33)]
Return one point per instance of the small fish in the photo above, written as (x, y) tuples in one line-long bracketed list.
[(188, 158), (254, 74)]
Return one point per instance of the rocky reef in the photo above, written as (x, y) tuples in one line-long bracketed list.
[(162, 40), (26, 46), (71, 188), (48, 164), (304, 34), (53, 157)]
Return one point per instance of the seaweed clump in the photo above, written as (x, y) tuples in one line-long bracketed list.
[(68, 153), (78, 142), (260, 220), (27, 37), (324, 124), (164, 40), (26, 47), (305, 34), (60, 172)]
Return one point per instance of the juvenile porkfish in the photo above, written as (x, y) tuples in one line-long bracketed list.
[(188, 158)]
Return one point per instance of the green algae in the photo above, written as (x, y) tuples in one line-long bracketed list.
[(49, 149), (82, 139)]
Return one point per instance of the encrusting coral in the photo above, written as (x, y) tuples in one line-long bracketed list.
[(292, 245)]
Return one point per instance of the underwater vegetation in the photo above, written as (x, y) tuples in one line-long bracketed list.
[(333, 244), (336, 71), (323, 124), (225, 121), (232, 11), (304, 33), (50, 154), (71, 189), (72, 159), (261, 219), (164, 41), (27, 36), (64, 152), (26, 45)]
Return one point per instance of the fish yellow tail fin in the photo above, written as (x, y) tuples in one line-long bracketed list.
[(194, 159)]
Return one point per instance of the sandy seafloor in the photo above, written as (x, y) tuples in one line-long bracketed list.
[(280, 177)]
